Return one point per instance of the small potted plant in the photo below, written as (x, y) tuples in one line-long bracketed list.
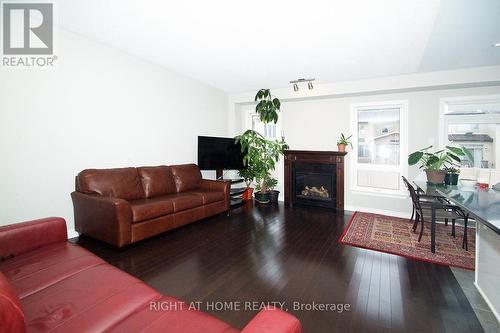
[(273, 194), (451, 177), (343, 142)]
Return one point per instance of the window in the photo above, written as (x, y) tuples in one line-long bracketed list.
[(474, 123), (269, 131), (379, 132)]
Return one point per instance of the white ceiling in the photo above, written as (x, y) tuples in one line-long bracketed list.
[(241, 46)]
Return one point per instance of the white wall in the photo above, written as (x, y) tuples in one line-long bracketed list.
[(316, 123), (98, 108)]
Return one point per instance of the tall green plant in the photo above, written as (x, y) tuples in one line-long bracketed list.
[(248, 174), (261, 155), (267, 106)]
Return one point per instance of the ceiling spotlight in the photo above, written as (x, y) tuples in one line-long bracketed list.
[(296, 86), (496, 45)]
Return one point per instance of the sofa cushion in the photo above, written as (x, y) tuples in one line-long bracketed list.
[(123, 183), (208, 196), (146, 209), (11, 315), (36, 270), (157, 180), (186, 200), (93, 300), (169, 315), (187, 177)]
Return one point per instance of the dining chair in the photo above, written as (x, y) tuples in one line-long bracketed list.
[(423, 200), (422, 211)]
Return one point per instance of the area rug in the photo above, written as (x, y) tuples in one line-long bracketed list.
[(394, 235)]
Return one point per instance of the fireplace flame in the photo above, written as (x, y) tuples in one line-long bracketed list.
[(313, 191)]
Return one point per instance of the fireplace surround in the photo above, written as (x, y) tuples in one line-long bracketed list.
[(314, 178)]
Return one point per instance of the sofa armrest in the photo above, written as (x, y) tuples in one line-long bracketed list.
[(105, 218), (23, 237), (217, 185), (273, 320)]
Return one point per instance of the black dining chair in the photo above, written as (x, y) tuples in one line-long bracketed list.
[(422, 210)]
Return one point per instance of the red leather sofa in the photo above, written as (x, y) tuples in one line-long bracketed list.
[(50, 285), (125, 205)]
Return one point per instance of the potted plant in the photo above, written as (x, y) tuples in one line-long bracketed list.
[(248, 175), (434, 164), (343, 142), (273, 194), (261, 154), (451, 177)]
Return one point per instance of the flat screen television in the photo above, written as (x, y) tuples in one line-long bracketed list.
[(219, 154)]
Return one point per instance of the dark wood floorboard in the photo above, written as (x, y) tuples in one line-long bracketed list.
[(279, 254)]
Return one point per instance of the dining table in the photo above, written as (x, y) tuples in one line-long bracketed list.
[(483, 205)]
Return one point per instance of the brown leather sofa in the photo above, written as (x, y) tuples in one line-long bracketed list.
[(125, 205)]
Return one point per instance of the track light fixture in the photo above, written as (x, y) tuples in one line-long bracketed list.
[(296, 86)]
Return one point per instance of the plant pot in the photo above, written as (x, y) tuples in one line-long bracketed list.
[(247, 195), (341, 147), (274, 195), (261, 197), (435, 176), (451, 179)]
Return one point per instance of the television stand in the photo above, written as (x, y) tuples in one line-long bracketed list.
[(235, 194)]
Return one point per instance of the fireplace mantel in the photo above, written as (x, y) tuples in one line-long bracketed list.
[(314, 157)]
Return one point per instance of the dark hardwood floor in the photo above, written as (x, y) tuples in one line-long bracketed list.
[(279, 254)]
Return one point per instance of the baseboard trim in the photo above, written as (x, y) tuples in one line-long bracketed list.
[(369, 210), (493, 310), (72, 233), (378, 211)]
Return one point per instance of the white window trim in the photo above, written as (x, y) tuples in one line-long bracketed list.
[(403, 147)]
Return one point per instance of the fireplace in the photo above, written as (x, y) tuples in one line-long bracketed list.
[(314, 178), (314, 184)]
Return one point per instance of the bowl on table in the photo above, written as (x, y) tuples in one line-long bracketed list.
[(483, 183), (468, 182)]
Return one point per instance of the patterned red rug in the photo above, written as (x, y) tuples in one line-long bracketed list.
[(395, 235)]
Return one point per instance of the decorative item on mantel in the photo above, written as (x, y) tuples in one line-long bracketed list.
[(343, 142)]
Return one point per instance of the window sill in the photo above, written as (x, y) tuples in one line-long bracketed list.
[(380, 193)]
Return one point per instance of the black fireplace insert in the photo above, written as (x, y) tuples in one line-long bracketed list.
[(314, 184)]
